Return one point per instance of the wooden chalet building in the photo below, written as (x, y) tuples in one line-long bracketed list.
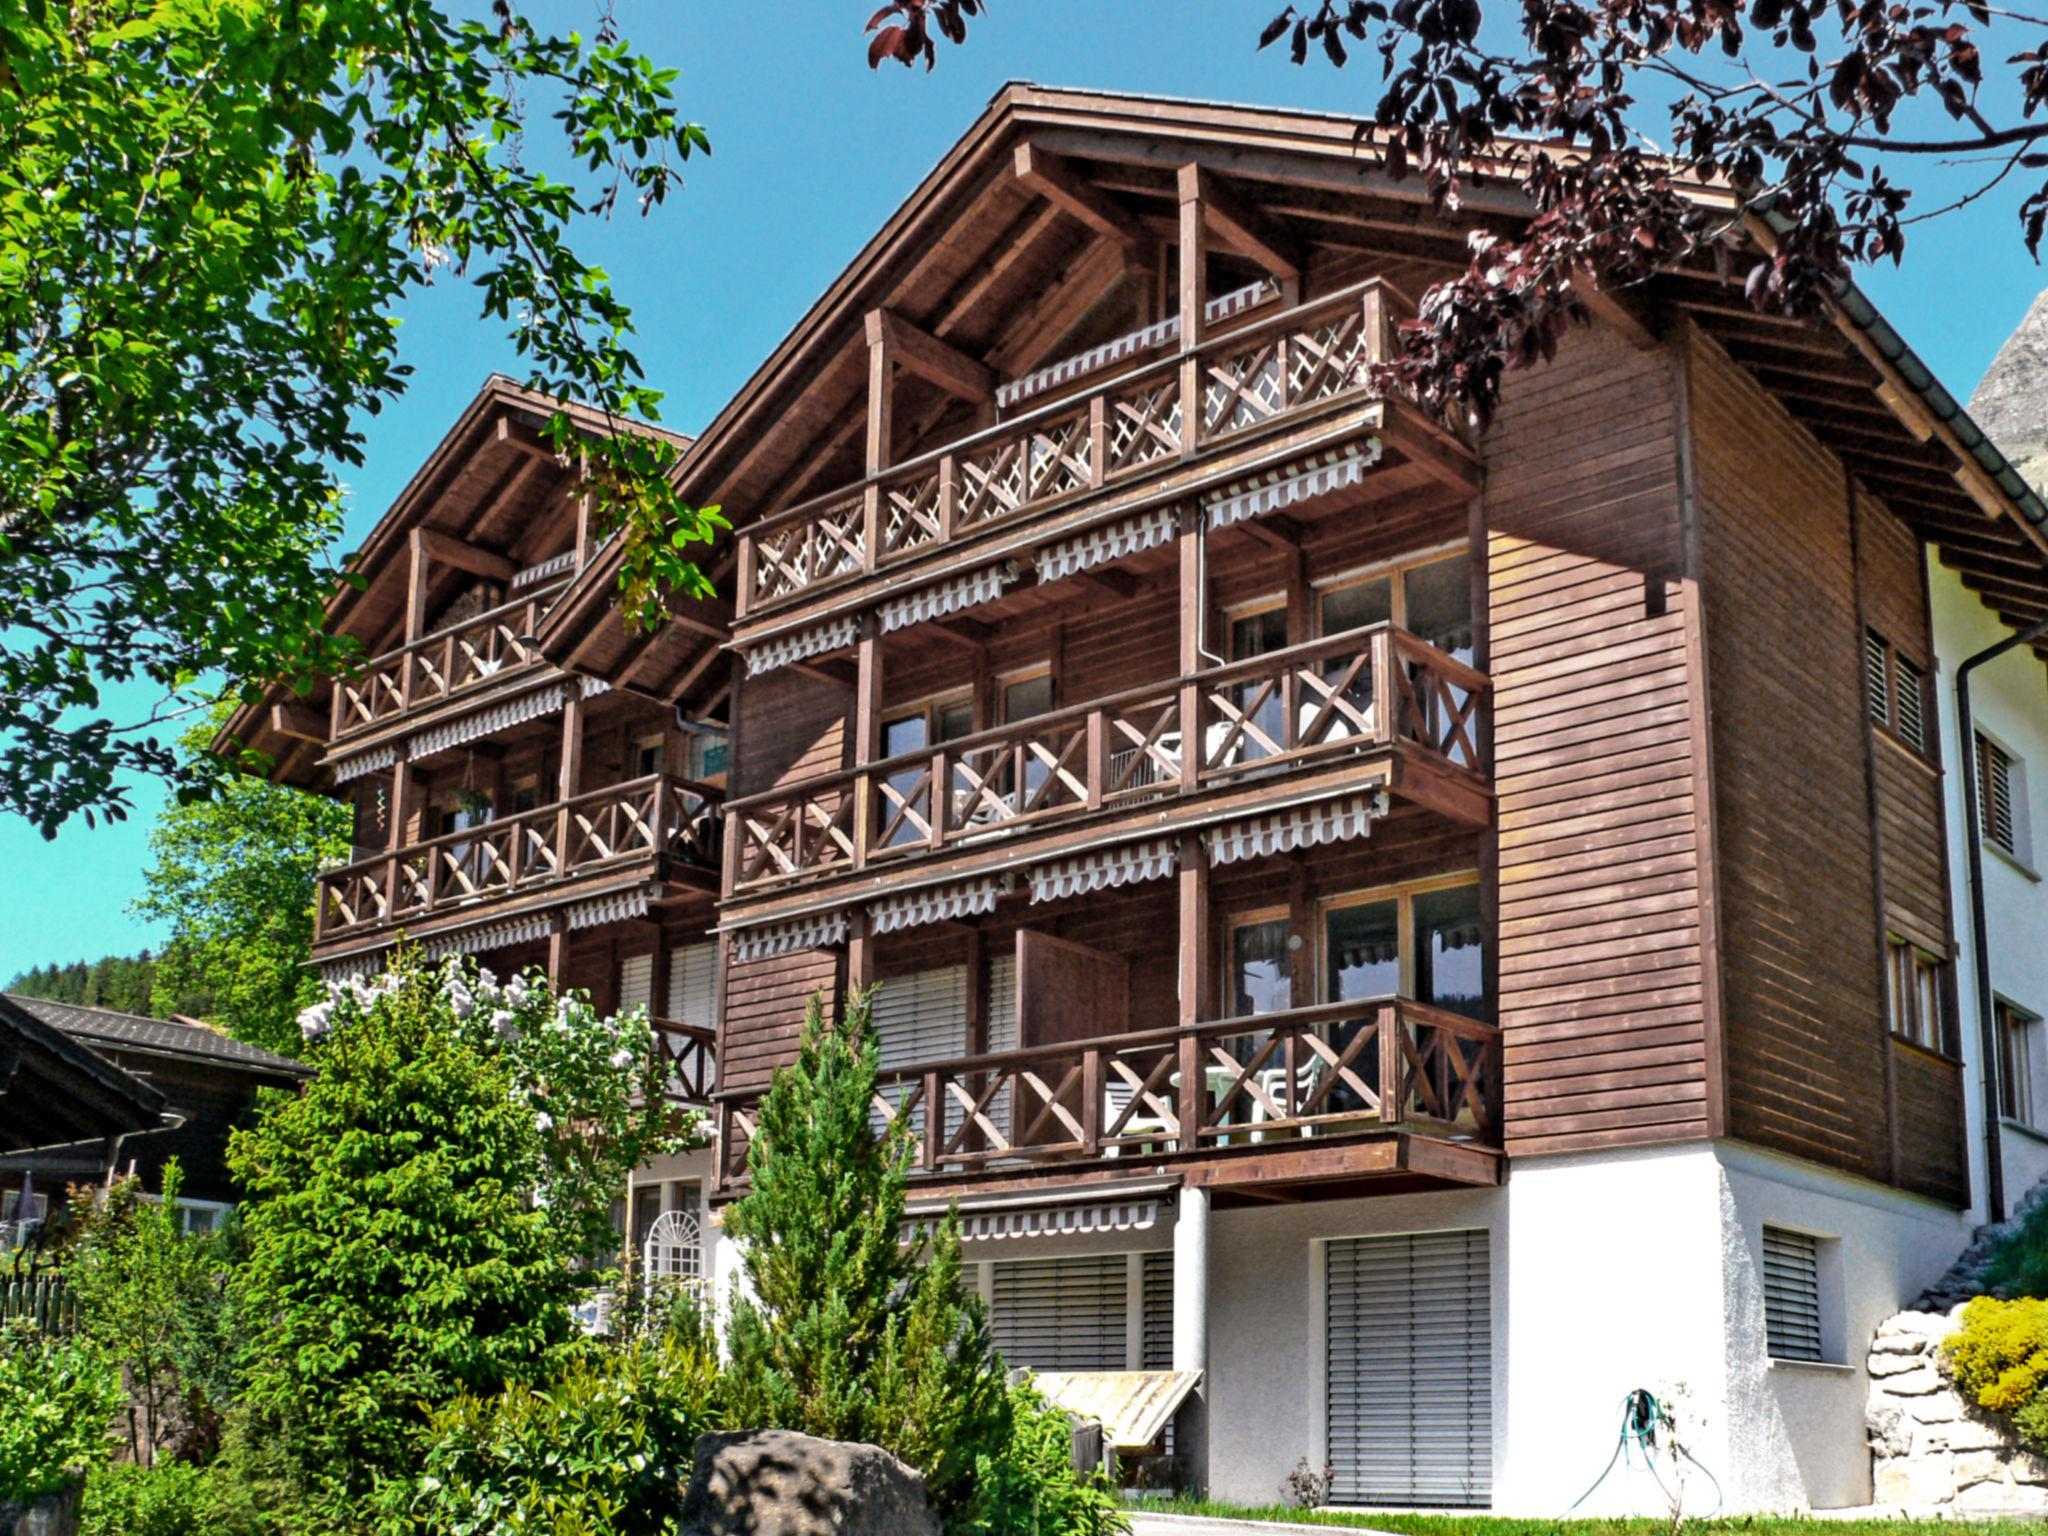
[(1419, 934)]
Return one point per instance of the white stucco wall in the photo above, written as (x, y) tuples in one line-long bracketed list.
[(2009, 699)]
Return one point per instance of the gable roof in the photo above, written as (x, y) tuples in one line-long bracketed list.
[(55, 1090), (1899, 430), (104, 1029)]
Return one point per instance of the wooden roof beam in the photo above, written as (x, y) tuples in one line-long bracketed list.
[(299, 722), (939, 362), (1241, 227), (508, 434), (1055, 180), (486, 563)]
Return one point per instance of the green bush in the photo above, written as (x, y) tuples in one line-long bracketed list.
[(2019, 1264), (171, 1498), (57, 1403), (602, 1449), (1030, 1488), (1999, 1359)]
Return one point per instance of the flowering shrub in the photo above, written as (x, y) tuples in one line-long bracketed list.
[(417, 1215)]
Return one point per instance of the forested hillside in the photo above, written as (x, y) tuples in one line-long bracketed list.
[(120, 982)]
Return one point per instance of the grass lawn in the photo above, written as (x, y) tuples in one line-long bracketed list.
[(1486, 1525)]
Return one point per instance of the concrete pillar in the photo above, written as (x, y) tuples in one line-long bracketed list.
[(1191, 1328)]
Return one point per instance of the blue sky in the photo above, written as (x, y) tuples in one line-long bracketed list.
[(811, 153)]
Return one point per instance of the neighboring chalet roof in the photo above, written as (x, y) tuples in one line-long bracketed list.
[(56, 1090), (104, 1029), (491, 480), (1011, 265)]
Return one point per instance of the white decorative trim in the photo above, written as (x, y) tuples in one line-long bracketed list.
[(354, 965), (935, 904), (833, 635), (1104, 868), (593, 686), (499, 717), (1305, 826), (475, 941), (376, 760), (819, 931), (1060, 1220), (936, 602), (533, 575), (1300, 481), (1098, 546), (1157, 334), (616, 908)]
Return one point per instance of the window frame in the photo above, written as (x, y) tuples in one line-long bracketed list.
[(1987, 747), (2016, 1098), (1253, 917), (1395, 568), (1912, 974), (931, 706), (1883, 663), (1403, 895)]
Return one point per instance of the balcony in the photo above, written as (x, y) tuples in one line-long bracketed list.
[(1265, 374), (492, 647), (1310, 1093), (689, 1055), (1374, 690), (654, 820)]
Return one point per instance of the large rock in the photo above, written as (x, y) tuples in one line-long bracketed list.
[(774, 1482)]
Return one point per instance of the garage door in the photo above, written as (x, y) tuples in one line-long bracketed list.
[(1410, 1369)]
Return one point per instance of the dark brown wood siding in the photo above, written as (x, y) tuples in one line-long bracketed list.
[(1601, 975), (794, 727), (1805, 1042), (764, 1013), (1930, 1101)]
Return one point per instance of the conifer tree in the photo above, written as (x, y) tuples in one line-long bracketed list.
[(851, 1332)]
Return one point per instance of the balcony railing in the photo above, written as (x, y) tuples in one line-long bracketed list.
[(657, 815), (1244, 379), (1333, 1070), (1363, 690), (490, 646), (689, 1052)]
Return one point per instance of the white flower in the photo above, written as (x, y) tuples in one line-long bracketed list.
[(515, 992), (621, 1060), (544, 1120), (506, 1024)]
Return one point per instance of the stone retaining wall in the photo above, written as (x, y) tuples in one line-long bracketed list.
[(1933, 1453)]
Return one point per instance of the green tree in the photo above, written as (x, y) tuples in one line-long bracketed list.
[(232, 873), (57, 1399), (417, 1217), (850, 1332), (120, 982), (210, 214)]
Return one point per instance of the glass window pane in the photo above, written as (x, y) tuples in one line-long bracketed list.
[(1257, 634), (1440, 605), (956, 720), (1928, 978), (905, 735), (1362, 603), (646, 1206), (1027, 697), (1450, 951), (1260, 981), (1362, 950)]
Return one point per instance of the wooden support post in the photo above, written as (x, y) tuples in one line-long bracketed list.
[(1195, 1006), (1391, 1066), (569, 781), (867, 733), (1194, 284), (416, 590), (585, 509), (880, 393), (860, 949), (1193, 601), (558, 950)]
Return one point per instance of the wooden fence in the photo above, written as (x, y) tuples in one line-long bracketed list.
[(44, 1300)]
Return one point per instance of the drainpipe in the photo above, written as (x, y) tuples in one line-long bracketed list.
[(1980, 941)]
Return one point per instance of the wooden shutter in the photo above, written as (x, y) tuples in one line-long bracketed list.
[(692, 984), (1877, 676), (1994, 794), (1912, 729), (1062, 1314), (1155, 1327), (1067, 991), (1409, 1337), (1002, 1002), (636, 982), (1792, 1294)]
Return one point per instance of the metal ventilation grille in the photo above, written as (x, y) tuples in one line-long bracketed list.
[(1410, 1370), (1062, 1314), (1792, 1294)]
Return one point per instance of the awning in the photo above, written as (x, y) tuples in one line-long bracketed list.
[(947, 597), (353, 965), (1151, 860), (799, 645), (488, 722), (1099, 546), (374, 761), (935, 904), (616, 908), (1133, 1407), (533, 575), (1304, 826), (1296, 482), (1144, 339), (1060, 1220), (816, 932), (476, 941)]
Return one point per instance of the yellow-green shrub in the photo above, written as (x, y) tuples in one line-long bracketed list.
[(1999, 1358)]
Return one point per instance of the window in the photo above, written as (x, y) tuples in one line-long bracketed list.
[(2015, 1061), (1450, 951), (1362, 943), (914, 730), (1261, 970), (1915, 994), (650, 756), (525, 794), (1025, 698), (2001, 798), (1258, 633), (1062, 1314), (1895, 691), (668, 1229), (1792, 1318), (1430, 945), (1432, 599)]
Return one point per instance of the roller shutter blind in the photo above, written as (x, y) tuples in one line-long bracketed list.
[(1410, 1369), (1792, 1294), (1061, 1314), (918, 1018), (1156, 1326), (636, 982), (692, 981)]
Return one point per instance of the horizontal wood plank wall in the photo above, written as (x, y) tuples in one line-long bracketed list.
[(795, 727), (1601, 979), (1930, 1099), (1804, 1040), (764, 1013)]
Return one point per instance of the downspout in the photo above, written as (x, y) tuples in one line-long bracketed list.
[(1980, 941)]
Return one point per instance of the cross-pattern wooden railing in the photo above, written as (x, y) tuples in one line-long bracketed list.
[(657, 815), (1284, 363), (490, 646), (689, 1053), (1332, 1070), (1365, 689)]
